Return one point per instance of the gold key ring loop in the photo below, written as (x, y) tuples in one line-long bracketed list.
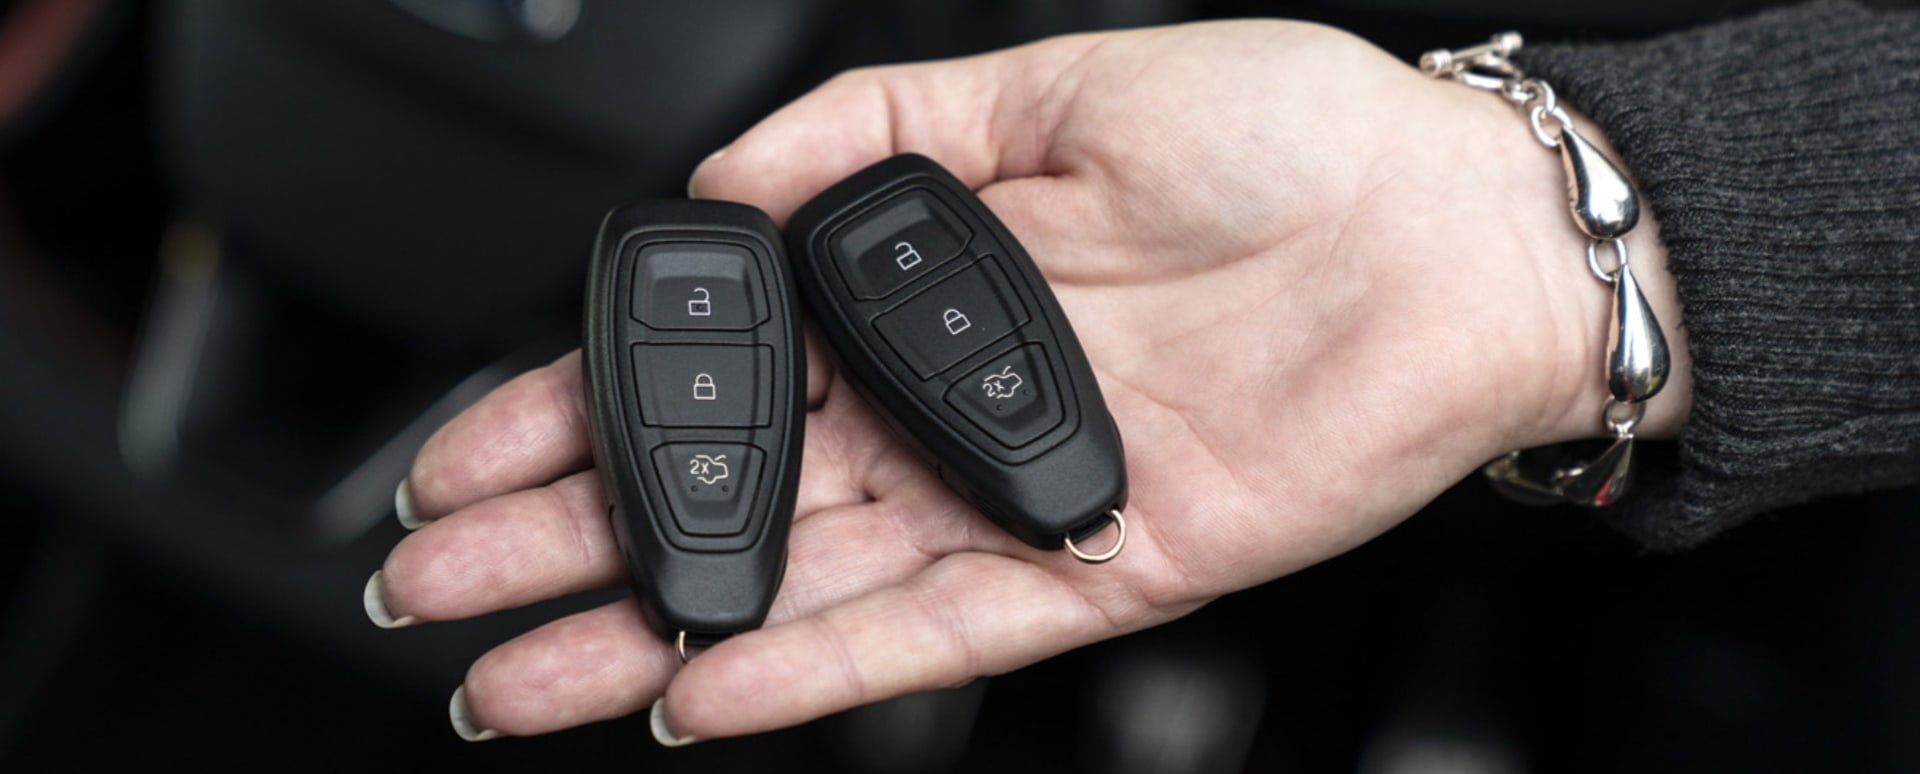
[(1118, 542)]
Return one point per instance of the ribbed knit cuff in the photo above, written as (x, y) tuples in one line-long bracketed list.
[(1781, 157)]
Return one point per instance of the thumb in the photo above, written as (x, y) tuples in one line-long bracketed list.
[(985, 118)]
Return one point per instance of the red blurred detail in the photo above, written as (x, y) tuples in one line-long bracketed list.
[(34, 39)]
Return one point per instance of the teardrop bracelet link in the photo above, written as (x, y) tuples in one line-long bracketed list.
[(1605, 208), (1601, 200), (1638, 361), (1601, 481)]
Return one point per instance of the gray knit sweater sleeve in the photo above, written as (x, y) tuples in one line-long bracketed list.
[(1781, 156)]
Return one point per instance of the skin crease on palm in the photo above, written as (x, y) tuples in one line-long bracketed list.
[(1317, 288)]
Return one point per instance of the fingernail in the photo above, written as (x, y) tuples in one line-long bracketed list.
[(662, 734), (712, 157), (403, 506), (462, 722), (375, 600)]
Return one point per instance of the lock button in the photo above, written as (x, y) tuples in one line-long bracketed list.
[(702, 385), (697, 286), (955, 318), (897, 242)]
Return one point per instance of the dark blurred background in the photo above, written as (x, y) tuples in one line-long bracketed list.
[(253, 251)]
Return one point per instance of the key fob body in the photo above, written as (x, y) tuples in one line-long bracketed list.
[(695, 376), (942, 322)]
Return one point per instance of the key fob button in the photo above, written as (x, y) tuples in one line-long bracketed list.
[(955, 318), (701, 385), (711, 483), (697, 286), (1011, 398), (897, 242)]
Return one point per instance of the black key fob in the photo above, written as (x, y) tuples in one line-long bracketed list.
[(942, 322), (695, 382)]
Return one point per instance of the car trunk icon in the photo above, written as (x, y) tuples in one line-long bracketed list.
[(1001, 386)]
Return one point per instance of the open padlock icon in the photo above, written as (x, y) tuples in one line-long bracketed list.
[(704, 388), (701, 305), (956, 322), (907, 256)]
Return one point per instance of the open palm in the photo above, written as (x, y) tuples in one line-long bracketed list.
[(1305, 278)]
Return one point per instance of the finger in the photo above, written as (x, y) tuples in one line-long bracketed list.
[(967, 615), (606, 662), (986, 118), (525, 433), (595, 665), (504, 552)]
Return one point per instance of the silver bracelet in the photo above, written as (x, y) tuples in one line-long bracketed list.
[(1605, 207)]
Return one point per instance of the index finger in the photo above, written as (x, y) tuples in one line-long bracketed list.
[(526, 433)]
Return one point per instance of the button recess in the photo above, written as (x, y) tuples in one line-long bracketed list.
[(896, 242), (697, 286), (702, 385), (710, 485), (955, 318), (1012, 397)]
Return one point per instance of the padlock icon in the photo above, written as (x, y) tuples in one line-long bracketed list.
[(704, 388), (908, 257), (701, 304), (956, 322)]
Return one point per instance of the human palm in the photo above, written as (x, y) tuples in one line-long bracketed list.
[(1290, 261)]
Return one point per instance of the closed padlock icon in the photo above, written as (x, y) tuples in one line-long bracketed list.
[(956, 322), (701, 304), (907, 257), (704, 388)]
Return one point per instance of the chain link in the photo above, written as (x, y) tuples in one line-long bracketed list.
[(1620, 260), (1540, 133), (1622, 426)]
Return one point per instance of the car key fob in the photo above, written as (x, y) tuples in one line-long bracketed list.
[(942, 322), (695, 381)]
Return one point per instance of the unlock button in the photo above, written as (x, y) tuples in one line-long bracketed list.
[(897, 242), (697, 286)]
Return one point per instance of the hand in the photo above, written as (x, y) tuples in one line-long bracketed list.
[(1316, 288)]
